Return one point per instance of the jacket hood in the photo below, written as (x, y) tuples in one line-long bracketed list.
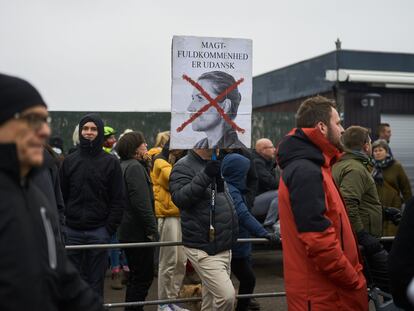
[(95, 146), (234, 168), (357, 155), (306, 143)]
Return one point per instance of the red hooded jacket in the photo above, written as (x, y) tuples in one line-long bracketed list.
[(322, 268)]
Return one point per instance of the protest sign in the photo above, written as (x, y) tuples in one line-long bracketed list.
[(211, 100)]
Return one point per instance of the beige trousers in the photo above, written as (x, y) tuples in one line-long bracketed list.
[(214, 271), (172, 259)]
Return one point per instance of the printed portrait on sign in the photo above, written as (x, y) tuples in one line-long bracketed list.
[(211, 93), (216, 124)]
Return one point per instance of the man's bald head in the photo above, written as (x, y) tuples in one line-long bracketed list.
[(265, 148)]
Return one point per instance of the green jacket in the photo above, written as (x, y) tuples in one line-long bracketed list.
[(396, 185), (357, 187)]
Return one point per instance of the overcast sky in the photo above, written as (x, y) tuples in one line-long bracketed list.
[(115, 55)]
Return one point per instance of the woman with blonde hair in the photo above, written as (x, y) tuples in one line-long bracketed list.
[(172, 259), (160, 140)]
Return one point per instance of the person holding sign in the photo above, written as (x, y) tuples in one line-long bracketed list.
[(209, 251), (220, 133)]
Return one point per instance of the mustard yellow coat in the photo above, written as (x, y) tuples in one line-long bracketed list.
[(154, 151), (160, 175)]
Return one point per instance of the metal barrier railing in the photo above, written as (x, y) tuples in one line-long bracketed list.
[(155, 244), (149, 244), (162, 244), (180, 300)]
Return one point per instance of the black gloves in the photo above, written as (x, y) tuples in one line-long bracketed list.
[(220, 184), (273, 237), (370, 243), (212, 168), (393, 214)]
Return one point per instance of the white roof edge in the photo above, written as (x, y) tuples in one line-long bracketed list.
[(370, 76)]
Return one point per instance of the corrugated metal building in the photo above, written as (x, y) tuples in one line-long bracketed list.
[(369, 87)]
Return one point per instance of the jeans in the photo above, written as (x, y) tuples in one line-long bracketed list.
[(116, 256), (267, 204), (90, 263)]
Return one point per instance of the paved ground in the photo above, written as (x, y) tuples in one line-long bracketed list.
[(268, 268), (269, 274)]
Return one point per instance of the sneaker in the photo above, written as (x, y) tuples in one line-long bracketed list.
[(177, 308), (171, 307), (116, 281)]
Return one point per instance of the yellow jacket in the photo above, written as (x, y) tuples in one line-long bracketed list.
[(160, 175), (154, 151)]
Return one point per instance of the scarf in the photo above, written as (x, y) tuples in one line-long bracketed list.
[(379, 166)]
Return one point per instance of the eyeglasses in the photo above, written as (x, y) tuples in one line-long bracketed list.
[(34, 120)]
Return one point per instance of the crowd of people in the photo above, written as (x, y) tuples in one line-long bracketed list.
[(330, 193)]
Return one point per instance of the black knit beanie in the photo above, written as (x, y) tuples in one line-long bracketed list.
[(16, 95)]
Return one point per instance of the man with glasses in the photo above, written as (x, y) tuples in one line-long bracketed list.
[(92, 188), (35, 272)]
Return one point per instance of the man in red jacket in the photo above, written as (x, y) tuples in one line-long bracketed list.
[(321, 261)]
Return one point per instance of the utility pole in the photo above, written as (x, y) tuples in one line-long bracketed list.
[(338, 97)]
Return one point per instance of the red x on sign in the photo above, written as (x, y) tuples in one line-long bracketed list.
[(212, 102)]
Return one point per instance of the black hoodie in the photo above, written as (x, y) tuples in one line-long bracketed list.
[(92, 184)]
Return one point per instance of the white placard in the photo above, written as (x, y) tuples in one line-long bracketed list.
[(211, 100)]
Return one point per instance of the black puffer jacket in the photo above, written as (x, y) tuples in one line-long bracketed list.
[(92, 184), (191, 193), (35, 272)]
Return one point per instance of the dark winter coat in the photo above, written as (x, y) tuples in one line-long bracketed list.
[(190, 189), (268, 177), (138, 221), (401, 258), (234, 169), (353, 177), (394, 190), (35, 272), (47, 180), (91, 182), (322, 267)]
